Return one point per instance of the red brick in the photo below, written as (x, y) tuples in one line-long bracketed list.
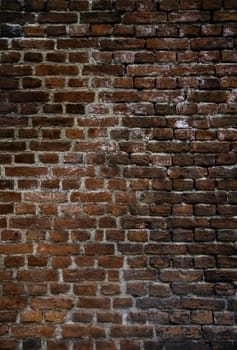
[(12, 289), (6, 276), (84, 275), (51, 303), (226, 16), (68, 222), (36, 331), (178, 317), (31, 316), (99, 196), (111, 261), (122, 303), (86, 289), (34, 31), (3, 330), (30, 43), (58, 249), (56, 30), (75, 331), (76, 43), (161, 44), (49, 69), (147, 70), (94, 303), (103, 69), (74, 96), (13, 261), (15, 248), (12, 302), (10, 196), (121, 44), (188, 16), (56, 57), (49, 146), (101, 29), (99, 248), (110, 289), (55, 316), (201, 317), (144, 17), (37, 276), (123, 30), (217, 43), (118, 154), (12, 146)]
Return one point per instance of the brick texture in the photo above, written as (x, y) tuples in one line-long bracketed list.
[(118, 190)]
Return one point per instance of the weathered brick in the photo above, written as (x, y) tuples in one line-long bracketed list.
[(111, 261), (36, 331), (8, 303), (74, 96), (132, 331), (50, 69), (168, 5), (212, 44), (188, 16), (51, 303), (226, 16), (203, 303), (162, 44), (118, 191), (144, 17), (103, 70), (55, 17), (121, 44), (75, 331), (76, 43), (30, 43)]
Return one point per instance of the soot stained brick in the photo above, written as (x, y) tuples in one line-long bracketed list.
[(32, 344)]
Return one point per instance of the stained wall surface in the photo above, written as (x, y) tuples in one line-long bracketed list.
[(118, 184)]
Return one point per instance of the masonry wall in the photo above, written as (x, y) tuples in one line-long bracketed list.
[(118, 174)]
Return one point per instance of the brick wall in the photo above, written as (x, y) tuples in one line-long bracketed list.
[(118, 196)]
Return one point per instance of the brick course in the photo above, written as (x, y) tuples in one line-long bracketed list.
[(118, 174)]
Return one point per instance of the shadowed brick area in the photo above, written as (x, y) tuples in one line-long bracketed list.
[(118, 178)]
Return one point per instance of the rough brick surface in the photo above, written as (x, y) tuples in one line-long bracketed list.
[(118, 190)]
